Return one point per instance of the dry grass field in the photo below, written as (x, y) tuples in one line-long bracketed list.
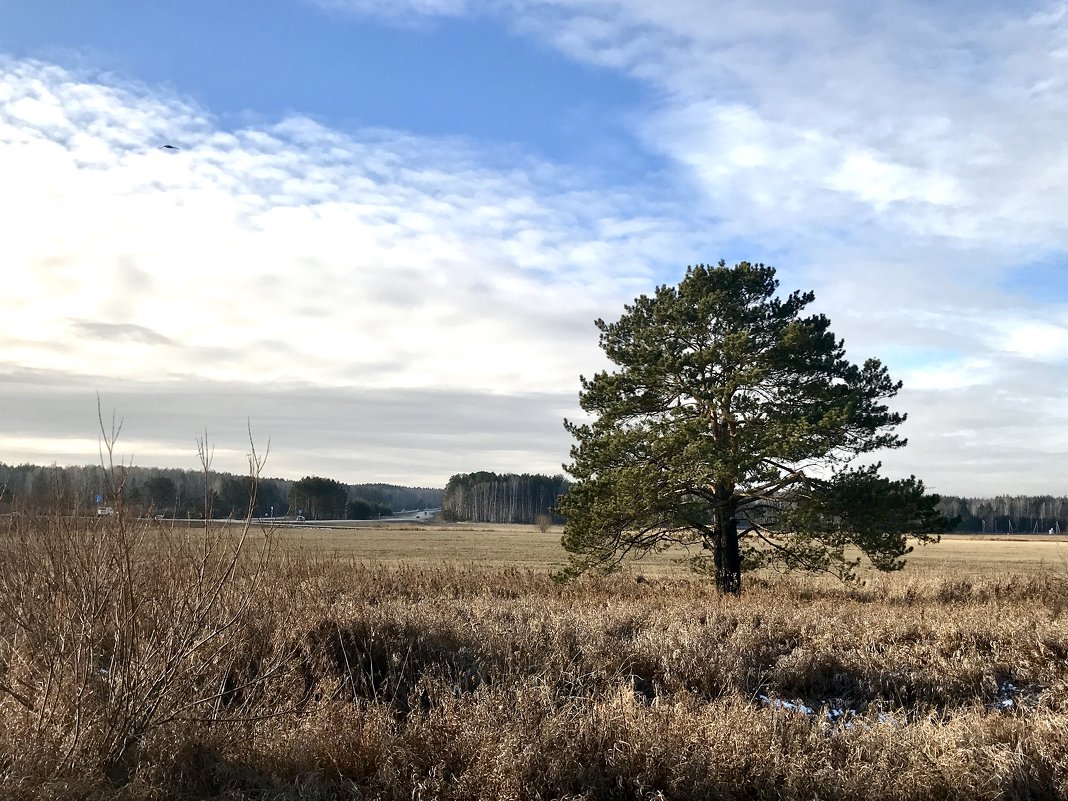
[(145, 663), (490, 546)]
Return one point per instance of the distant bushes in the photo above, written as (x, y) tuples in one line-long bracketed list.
[(362, 509)]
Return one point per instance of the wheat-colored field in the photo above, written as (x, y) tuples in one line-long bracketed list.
[(484, 545), (140, 662)]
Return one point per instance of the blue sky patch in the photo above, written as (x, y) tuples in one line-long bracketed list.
[(1044, 281), (906, 357), (468, 77)]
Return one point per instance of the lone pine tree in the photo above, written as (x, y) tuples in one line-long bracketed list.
[(735, 423)]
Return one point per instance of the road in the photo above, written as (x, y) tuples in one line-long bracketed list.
[(412, 516)]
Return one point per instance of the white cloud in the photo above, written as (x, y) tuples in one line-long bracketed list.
[(961, 374), (1036, 340), (880, 184), (296, 252)]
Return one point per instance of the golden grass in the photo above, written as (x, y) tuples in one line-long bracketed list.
[(493, 546), (422, 663), (430, 545)]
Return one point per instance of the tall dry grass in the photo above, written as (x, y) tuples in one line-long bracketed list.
[(146, 663)]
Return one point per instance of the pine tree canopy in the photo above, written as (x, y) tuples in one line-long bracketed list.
[(733, 422)]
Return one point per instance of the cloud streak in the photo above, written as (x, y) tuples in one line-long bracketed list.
[(408, 436)]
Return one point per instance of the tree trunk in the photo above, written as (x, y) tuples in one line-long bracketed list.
[(728, 556)]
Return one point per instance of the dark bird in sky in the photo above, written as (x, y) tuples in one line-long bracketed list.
[(169, 147)]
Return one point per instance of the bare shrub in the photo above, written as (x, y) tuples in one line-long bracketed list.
[(111, 629)]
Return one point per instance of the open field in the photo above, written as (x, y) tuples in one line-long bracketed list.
[(483, 545), (147, 663)]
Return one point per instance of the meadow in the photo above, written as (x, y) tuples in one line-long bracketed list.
[(142, 662), (485, 545)]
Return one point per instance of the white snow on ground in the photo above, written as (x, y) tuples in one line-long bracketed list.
[(1007, 699)]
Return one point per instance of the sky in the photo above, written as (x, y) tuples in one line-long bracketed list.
[(387, 226)]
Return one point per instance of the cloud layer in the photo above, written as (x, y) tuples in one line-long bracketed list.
[(241, 274), (908, 162), (296, 252), (402, 436)]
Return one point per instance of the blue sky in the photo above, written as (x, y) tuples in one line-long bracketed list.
[(387, 216), (264, 60)]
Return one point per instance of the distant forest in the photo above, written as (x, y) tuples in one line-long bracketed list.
[(478, 497), (180, 493), (1008, 514), (503, 498), (510, 498)]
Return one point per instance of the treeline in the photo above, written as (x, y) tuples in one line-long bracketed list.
[(178, 493), (397, 499), (318, 498), (1008, 514), (503, 498), (172, 492)]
